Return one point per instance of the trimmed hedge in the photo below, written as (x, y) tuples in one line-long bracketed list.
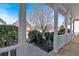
[(8, 35)]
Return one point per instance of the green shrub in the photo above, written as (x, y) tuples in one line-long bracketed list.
[(8, 35), (49, 36), (39, 37), (46, 43), (52, 36), (61, 31), (34, 36)]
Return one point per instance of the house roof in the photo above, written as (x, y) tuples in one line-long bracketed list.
[(2, 21), (17, 23)]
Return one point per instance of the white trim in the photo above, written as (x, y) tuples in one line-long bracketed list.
[(9, 48)]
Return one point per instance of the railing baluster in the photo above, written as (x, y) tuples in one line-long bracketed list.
[(9, 53)]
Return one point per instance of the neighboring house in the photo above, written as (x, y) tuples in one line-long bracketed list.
[(2, 22), (50, 28), (17, 23), (28, 25)]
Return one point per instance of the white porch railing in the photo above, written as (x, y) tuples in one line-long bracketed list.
[(76, 33), (69, 37), (33, 50), (8, 49), (63, 39)]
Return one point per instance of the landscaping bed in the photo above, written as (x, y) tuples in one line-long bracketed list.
[(45, 43)]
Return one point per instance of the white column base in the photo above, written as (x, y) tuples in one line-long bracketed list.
[(21, 50)]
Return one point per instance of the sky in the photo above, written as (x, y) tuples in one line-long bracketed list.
[(60, 17), (9, 12), (29, 7)]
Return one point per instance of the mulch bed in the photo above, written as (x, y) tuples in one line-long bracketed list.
[(44, 46)]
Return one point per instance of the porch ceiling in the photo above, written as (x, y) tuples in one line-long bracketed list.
[(73, 8)]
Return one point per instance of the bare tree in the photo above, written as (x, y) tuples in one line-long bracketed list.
[(41, 17)]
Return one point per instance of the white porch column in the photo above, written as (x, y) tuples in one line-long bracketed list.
[(22, 30), (66, 28), (71, 28), (55, 30), (66, 21), (71, 25)]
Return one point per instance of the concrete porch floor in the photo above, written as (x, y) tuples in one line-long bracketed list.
[(70, 49)]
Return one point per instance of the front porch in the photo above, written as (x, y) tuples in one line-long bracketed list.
[(66, 44)]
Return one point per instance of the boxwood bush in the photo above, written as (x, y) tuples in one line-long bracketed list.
[(8, 35), (49, 36), (61, 31), (44, 43), (34, 36)]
